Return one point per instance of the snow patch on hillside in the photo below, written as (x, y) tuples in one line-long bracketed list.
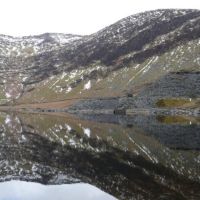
[(88, 85)]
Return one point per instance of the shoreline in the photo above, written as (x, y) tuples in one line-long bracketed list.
[(128, 112)]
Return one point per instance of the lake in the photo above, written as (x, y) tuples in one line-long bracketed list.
[(58, 156)]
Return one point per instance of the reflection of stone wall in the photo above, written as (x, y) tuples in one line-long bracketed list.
[(184, 135)]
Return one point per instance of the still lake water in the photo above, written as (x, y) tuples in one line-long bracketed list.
[(101, 157)]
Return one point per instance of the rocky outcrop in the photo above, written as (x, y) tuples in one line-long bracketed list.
[(183, 85), (178, 85)]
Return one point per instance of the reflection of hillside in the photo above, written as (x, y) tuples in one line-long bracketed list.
[(121, 161), (155, 141), (166, 133)]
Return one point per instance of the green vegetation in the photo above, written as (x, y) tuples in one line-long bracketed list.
[(174, 102), (186, 120), (173, 119)]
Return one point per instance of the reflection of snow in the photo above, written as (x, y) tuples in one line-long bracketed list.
[(145, 150), (68, 127), (87, 131), (13, 124), (24, 79), (72, 142), (7, 120), (23, 137), (62, 141), (8, 95)]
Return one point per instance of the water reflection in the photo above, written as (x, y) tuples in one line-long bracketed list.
[(184, 120), (138, 157), (34, 191), (12, 122)]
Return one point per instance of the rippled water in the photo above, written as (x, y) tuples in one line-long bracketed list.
[(99, 157)]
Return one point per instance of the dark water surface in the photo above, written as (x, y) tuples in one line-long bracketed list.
[(99, 157)]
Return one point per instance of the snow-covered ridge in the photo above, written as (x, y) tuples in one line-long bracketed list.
[(139, 22), (33, 45)]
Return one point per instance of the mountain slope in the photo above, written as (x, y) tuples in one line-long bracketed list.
[(122, 58)]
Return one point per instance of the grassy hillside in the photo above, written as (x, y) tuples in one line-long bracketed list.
[(97, 81)]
